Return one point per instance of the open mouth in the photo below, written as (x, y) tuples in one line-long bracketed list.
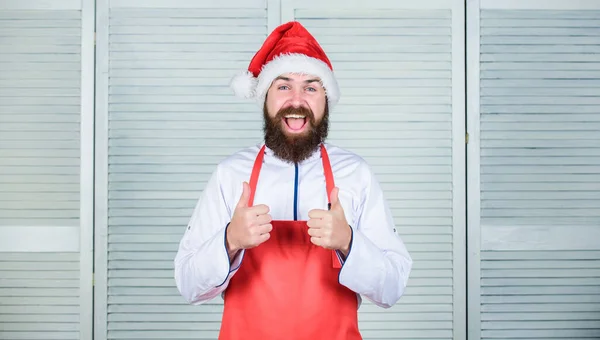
[(295, 122)]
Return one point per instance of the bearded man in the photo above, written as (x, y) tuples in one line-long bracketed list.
[(293, 231)]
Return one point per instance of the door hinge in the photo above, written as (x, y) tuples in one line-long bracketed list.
[(467, 138), (93, 279)]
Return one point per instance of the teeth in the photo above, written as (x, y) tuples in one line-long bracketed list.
[(294, 116)]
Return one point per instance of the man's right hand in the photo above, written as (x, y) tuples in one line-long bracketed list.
[(249, 226)]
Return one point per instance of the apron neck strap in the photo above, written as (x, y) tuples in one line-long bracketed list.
[(329, 182)]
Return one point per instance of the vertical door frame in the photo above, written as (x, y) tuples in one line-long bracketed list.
[(459, 198), (473, 172), (86, 208), (101, 179)]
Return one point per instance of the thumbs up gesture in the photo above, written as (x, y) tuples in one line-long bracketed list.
[(250, 226), (329, 228)]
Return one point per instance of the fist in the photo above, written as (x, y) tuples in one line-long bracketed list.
[(329, 228), (250, 226)]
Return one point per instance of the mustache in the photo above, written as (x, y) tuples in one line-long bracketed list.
[(304, 111)]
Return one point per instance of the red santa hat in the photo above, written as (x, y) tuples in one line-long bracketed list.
[(290, 48)]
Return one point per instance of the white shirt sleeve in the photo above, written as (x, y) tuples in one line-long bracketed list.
[(378, 264), (202, 266)]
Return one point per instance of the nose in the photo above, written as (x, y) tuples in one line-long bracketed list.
[(297, 98)]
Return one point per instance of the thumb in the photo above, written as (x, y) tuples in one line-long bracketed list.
[(335, 202), (245, 198)]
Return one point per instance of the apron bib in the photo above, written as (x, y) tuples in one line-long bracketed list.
[(287, 287)]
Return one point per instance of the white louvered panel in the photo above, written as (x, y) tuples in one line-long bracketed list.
[(540, 164), (171, 118), (540, 76), (39, 296), (540, 295), (394, 67), (39, 117)]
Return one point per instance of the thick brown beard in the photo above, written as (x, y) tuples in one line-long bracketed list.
[(295, 149)]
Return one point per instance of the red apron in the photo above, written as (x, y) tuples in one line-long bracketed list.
[(287, 288)]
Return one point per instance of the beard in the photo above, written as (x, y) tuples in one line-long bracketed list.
[(295, 148)]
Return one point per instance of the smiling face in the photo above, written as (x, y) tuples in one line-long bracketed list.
[(296, 116)]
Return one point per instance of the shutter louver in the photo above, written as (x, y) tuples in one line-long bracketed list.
[(40, 116), (540, 164), (171, 117), (39, 295), (394, 66)]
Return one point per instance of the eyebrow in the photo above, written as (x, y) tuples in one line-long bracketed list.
[(308, 81)]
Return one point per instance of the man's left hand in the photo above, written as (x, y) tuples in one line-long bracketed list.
[(329, 228)]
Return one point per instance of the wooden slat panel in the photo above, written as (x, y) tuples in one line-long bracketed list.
[(164, 60), (39, 295), (39, 117), (401, 76), (540, 161), (553, 110)]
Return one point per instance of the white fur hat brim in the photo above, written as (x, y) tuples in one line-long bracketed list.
[(246, 86)]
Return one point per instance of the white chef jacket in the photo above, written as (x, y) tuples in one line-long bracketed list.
[(378, 264)]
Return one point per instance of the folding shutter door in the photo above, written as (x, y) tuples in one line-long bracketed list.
[(534, 77), (400, 68), (46, 169), (166, 116)]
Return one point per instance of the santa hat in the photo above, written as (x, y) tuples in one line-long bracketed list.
[(290, 48)]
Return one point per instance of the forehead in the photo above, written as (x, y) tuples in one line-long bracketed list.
[(297, 77)]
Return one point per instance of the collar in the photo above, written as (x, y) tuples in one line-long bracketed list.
[(316, 155)]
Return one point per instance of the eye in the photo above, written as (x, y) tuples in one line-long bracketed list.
[(283, 87), (311, 89)]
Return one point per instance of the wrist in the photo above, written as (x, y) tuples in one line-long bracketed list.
[(232, 248), (345, 249), (232, 251)]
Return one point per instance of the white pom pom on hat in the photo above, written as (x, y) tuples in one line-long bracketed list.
[(290, 48), (243, 84)]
